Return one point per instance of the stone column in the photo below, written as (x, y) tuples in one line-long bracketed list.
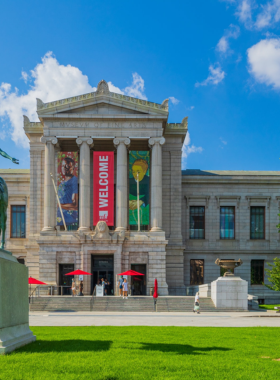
[(84, 186), (49, 194), (121, 189), (156, 182)]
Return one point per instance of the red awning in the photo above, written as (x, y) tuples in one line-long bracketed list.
[(131, 273), (33, 281), (78, 272)]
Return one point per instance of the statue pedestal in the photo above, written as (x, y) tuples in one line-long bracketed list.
[(14, 307), (230, 293)]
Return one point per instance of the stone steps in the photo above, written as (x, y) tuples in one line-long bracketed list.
[(118, 304)]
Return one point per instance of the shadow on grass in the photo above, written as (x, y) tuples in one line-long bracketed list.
[(71, 345), (181, 349)]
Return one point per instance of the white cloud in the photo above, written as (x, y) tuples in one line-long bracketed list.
[(174, 100), (24, 76), (264, 62), (269, 15), (136, 89), (223, 141), (50, 81), (244, 11), (215, 76), (191, 108), (232, 32), (188, 148)]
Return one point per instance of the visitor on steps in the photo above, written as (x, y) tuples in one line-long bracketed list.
[(120, 285), (125, 289), (196, 303), (73, 288)]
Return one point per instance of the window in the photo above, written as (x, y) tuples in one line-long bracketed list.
[(257, 272), (197, 222), (257, 225), (197, 272), (20, 260), (18, 222), (227, 222)]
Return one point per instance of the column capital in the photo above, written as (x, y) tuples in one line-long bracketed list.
[(51, 139), (121, 140), (81, 140), (156, 140)]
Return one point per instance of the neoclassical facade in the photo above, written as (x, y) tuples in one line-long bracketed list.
[(190, 218)]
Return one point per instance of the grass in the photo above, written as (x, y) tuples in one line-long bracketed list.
[(125, 353), (267, 307)]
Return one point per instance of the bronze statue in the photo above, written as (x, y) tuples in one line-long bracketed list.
[(4, 200)]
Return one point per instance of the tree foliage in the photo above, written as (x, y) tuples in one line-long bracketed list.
[(274, 274)]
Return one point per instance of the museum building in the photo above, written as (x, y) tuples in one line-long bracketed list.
[(114, 164)]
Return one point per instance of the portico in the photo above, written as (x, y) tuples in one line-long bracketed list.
[(109, 122)]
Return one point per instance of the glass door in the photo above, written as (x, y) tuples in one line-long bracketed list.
[(65, 281), (138, 283)]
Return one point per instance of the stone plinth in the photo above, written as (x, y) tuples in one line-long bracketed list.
[(14, 308), (230, 293)]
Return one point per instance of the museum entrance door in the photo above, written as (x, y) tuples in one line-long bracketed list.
[(103, 267), (138, 283), (65, 281)]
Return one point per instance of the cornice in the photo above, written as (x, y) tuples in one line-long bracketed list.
[(189, 198), (233, 197), (102, 91), (32, 127), (216, 180)]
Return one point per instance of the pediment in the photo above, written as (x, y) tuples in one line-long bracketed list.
[(102, 102), (104, 109)]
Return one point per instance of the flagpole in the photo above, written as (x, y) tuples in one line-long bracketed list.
[(138, 203), (58, 201)]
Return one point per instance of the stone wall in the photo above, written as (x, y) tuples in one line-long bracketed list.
[(242, 191)]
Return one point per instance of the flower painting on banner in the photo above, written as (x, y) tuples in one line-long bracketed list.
[(139, 169), (67, 182)]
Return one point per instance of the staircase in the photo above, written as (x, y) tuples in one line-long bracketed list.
[(118, 304)]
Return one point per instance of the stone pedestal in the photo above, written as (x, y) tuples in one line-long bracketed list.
[(230, 293), (14, 308)]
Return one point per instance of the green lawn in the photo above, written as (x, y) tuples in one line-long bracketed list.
[(124, 353), (268, 307)]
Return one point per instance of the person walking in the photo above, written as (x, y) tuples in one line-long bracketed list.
[(125, 289), (81, 288), (196, 303), (73, 288), (120, 285)]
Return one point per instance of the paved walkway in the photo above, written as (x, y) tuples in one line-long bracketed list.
[(247, 319)]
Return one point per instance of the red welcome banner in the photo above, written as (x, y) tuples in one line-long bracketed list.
[(103, 187)]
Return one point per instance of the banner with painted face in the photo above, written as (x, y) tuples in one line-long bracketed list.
[(103, 187), (139, 163), (67, 189)]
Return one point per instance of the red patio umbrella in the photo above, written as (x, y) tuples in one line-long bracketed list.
[(131, 273), (156, 290), (33, 281), (78, 272)]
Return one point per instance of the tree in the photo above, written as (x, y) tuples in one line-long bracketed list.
[(274, 274)]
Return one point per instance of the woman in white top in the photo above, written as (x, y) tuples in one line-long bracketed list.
[(73, 288), (196, 303)]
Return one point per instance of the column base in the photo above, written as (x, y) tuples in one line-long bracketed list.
[(83, 229), (156, 229), (48, 229), (14, 337), (120, 229)]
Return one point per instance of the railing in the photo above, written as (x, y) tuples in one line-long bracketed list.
[(51, 290)]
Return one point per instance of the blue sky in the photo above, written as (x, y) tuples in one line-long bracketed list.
[(217, 61)]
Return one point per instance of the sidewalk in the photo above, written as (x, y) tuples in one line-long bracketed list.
[(220, 319)]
